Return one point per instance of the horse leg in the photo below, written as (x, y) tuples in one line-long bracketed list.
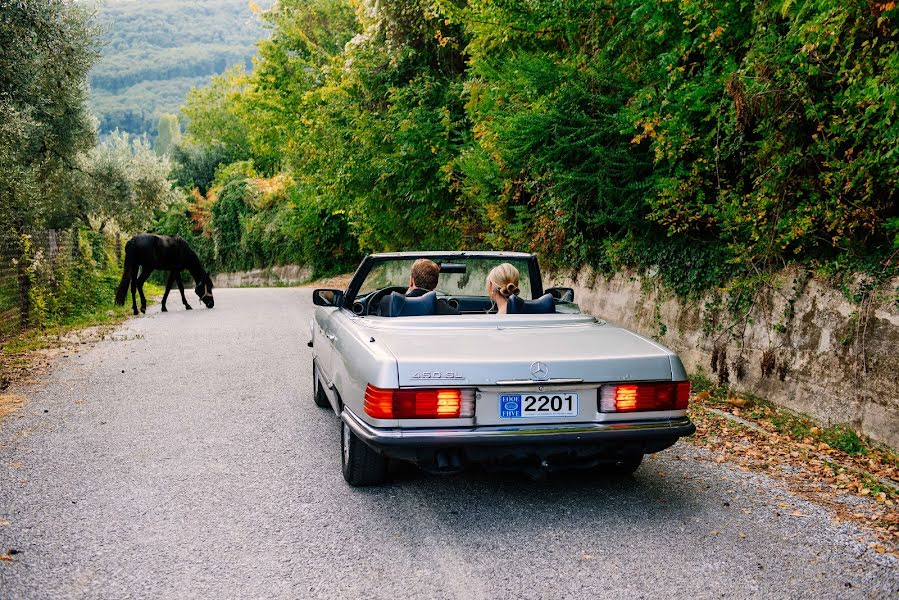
[(181, 289), (134, 292), (144, 275), (168, 287)]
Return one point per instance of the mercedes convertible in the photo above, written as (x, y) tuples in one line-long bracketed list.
[(541, 388)]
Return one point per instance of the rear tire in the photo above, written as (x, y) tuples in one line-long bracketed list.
[(361, 465), (318, 393), (625, 467)]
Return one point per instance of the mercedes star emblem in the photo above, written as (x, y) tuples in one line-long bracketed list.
[(539, 370)]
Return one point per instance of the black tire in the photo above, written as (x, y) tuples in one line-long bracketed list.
[(318, 394), (625, 467), (361, 465)]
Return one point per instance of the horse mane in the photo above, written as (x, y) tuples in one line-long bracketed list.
[(192, 262)]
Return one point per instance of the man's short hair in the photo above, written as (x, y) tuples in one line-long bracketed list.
[(425, 273)]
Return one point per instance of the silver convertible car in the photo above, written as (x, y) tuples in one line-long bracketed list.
[(541, 388)]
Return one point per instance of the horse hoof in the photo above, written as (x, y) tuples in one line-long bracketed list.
[(187, 307), (164, 309), (143, 309), (135, 312)]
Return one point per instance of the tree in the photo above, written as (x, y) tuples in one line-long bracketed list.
[(47, 48), (169, 134), (120, 181)]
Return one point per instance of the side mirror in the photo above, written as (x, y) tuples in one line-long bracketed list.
[(562, 294), (326, 297)]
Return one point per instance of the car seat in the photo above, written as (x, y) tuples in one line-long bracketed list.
[(543, 305), (399, 305)]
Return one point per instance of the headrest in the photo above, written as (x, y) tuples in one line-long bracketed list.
[(399, 305), (543, 305)]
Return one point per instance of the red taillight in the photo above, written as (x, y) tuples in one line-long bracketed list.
[(378, 403), (683, 395), (418, 404), (633, 397)]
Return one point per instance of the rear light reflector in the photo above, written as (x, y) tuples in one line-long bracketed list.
[(643, 397), (418, 403)]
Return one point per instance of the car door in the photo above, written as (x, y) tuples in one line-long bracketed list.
[(323, 343)]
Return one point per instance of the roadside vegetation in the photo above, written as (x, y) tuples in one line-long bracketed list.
[(712, 141), (67, 200)]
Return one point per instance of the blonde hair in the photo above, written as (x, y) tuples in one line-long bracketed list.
[(503, 279)]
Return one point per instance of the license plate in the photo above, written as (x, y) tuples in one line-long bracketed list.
[(549, 404)]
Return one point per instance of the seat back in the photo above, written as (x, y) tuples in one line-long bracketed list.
[(543, 305), (399, 305)]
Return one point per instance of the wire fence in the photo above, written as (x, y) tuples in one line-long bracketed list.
[(45, 275)]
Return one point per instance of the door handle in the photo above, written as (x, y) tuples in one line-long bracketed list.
[(331, 336)]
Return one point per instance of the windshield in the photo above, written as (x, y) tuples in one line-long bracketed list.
[(458, 276)]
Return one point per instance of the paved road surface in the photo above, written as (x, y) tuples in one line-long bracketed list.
[(184, 458)]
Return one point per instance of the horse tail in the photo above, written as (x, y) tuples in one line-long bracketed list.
[(127, 275)]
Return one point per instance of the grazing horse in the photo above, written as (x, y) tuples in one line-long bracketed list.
[(145, 253)]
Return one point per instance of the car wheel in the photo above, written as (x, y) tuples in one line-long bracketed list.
[(361, 465), (318, 393), (626, 466)]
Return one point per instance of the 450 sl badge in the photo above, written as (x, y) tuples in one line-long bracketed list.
[(437, 375)]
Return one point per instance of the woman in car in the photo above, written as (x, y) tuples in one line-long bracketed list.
[(502, 282)]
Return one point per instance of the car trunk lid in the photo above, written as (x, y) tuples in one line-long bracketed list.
[(556, 349)]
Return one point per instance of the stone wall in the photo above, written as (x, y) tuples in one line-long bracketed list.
[(271, 276), (801, 344)]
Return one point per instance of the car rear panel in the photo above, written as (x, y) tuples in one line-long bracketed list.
[(574, 357)]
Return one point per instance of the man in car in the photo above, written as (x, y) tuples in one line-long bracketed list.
[(423, 279)]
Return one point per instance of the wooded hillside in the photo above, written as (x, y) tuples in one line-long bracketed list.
[(155, 51)]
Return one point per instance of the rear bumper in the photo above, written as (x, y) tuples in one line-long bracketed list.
[(475, 444)]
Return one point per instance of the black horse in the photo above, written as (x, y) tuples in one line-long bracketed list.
[(144, 253)]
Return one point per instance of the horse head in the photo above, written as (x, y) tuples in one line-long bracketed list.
[(204, 291)]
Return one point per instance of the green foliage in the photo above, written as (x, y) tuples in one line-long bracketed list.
[(47, 48), (228, 214), (65, 286), (120, 180), (843, 438), (704, 141), (194, 166)]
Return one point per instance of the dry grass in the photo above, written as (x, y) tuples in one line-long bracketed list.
[(9, 403)]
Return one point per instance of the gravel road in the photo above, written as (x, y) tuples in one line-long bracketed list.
[(183, 457)]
